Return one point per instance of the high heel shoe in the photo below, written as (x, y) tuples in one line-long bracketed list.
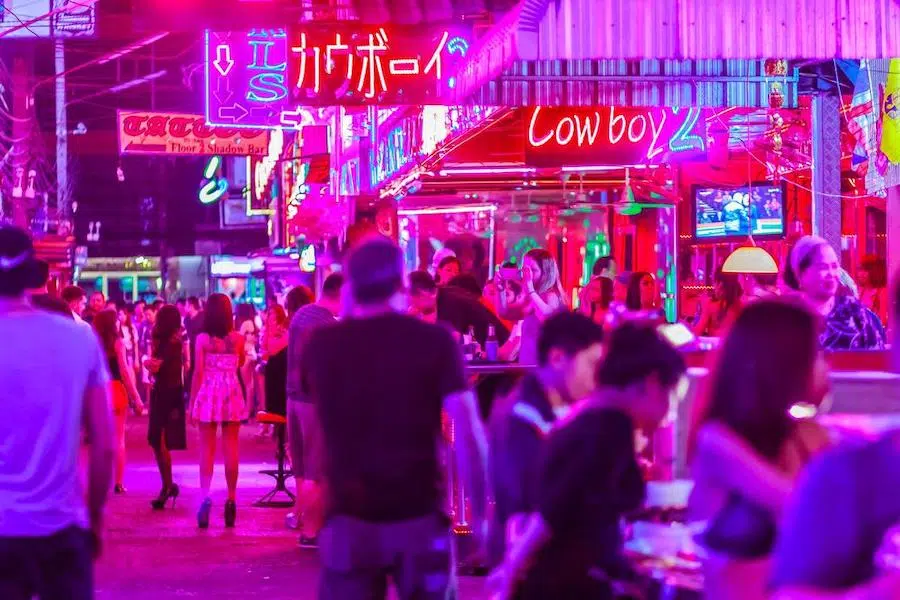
[(203, 514), (119, 489), (159, 502), (230, 513)]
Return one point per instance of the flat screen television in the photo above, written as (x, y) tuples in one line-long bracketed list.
[(722, 213)]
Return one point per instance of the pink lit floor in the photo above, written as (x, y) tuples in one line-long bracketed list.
[(151, 555)]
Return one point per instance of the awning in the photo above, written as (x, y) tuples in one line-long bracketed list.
[(688, 30)]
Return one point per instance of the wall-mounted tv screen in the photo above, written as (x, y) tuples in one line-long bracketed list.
[(721, 213)]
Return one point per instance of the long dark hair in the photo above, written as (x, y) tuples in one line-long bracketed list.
[(633, 296), (168, 325), (731, 289), (765, 365), (218, 322), (106, 326)]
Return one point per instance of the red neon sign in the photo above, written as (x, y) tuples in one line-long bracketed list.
[(373, 65), (612, 135)]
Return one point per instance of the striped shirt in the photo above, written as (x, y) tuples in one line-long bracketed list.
[(305, 320)]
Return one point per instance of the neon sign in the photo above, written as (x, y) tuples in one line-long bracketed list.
[(269, 77), (264, 175), (213, 185), (613, 135)]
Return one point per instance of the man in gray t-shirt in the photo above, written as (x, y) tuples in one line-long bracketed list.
[(304, 432), (53, 387)]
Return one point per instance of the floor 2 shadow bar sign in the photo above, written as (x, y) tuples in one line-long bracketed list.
[(275, 77), (613, 136)]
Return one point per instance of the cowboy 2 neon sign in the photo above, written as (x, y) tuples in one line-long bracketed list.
[(556, 136)]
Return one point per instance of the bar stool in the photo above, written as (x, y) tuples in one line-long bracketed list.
[(280, 474)]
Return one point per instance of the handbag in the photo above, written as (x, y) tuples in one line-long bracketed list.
[(741, 529)]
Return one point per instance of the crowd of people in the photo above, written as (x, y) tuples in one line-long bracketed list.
[(371, 378)]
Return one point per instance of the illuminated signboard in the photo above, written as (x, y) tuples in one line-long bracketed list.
[(556, 136), (420, 135), (142, 132), (271, 77)]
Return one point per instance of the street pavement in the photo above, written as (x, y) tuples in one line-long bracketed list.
[(152, 555)]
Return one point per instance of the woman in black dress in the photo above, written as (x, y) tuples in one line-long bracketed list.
[(166, 431)]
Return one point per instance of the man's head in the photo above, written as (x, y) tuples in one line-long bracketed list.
[(570, 346), (19, 270), (97, 302), (330, 297), (150, 313), (193, 306), (374, 273), (181, 305), (75, 298), (641, 364), (139, 308), (423, 296), (605, 267), (297, 298)]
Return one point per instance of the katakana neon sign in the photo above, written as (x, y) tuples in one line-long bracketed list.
[(272, 77), (612, 135)]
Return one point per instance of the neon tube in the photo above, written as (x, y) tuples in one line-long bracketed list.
[(485, 170), (600, 168), (449, 210)]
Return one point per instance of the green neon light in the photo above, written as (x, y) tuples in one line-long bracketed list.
[(213, 187)]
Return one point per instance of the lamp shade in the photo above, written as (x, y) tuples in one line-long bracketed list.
[(751, 259)]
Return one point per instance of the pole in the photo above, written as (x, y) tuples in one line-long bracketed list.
[(63, 193), (826, 169)]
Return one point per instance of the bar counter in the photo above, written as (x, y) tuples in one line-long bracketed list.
[(864, 400)]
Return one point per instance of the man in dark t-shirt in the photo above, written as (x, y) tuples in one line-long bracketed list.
[(569, 348), (380, 381)]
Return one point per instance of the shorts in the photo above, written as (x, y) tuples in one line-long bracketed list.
[(359, 557), (58, 566), (306, 441)]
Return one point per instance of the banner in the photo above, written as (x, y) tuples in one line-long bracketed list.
[(142, 132), (613, 136), (890, 129)]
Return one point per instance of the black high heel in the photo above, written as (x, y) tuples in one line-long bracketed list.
[(230, 513), (159, 502), (119, 489), (203, 514)]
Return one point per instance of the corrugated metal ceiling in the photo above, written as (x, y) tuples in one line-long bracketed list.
[(811, 29)]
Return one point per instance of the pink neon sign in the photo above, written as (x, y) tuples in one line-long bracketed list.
[(612, 135), (276, 77), (374, 65)]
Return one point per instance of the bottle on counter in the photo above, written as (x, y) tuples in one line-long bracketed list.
[(469, 344), (491, 346)]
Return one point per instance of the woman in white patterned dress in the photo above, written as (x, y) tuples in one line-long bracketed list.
[(217, 399)]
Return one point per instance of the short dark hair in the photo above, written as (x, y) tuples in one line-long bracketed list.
[(569, 332), (72, 293), (449, 260), (193, 302), (181, 301), (421, 281), (636, 351), (297, 298), (466, 282), (602, 264), (375, 270), (20, 273), (331, 287)]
